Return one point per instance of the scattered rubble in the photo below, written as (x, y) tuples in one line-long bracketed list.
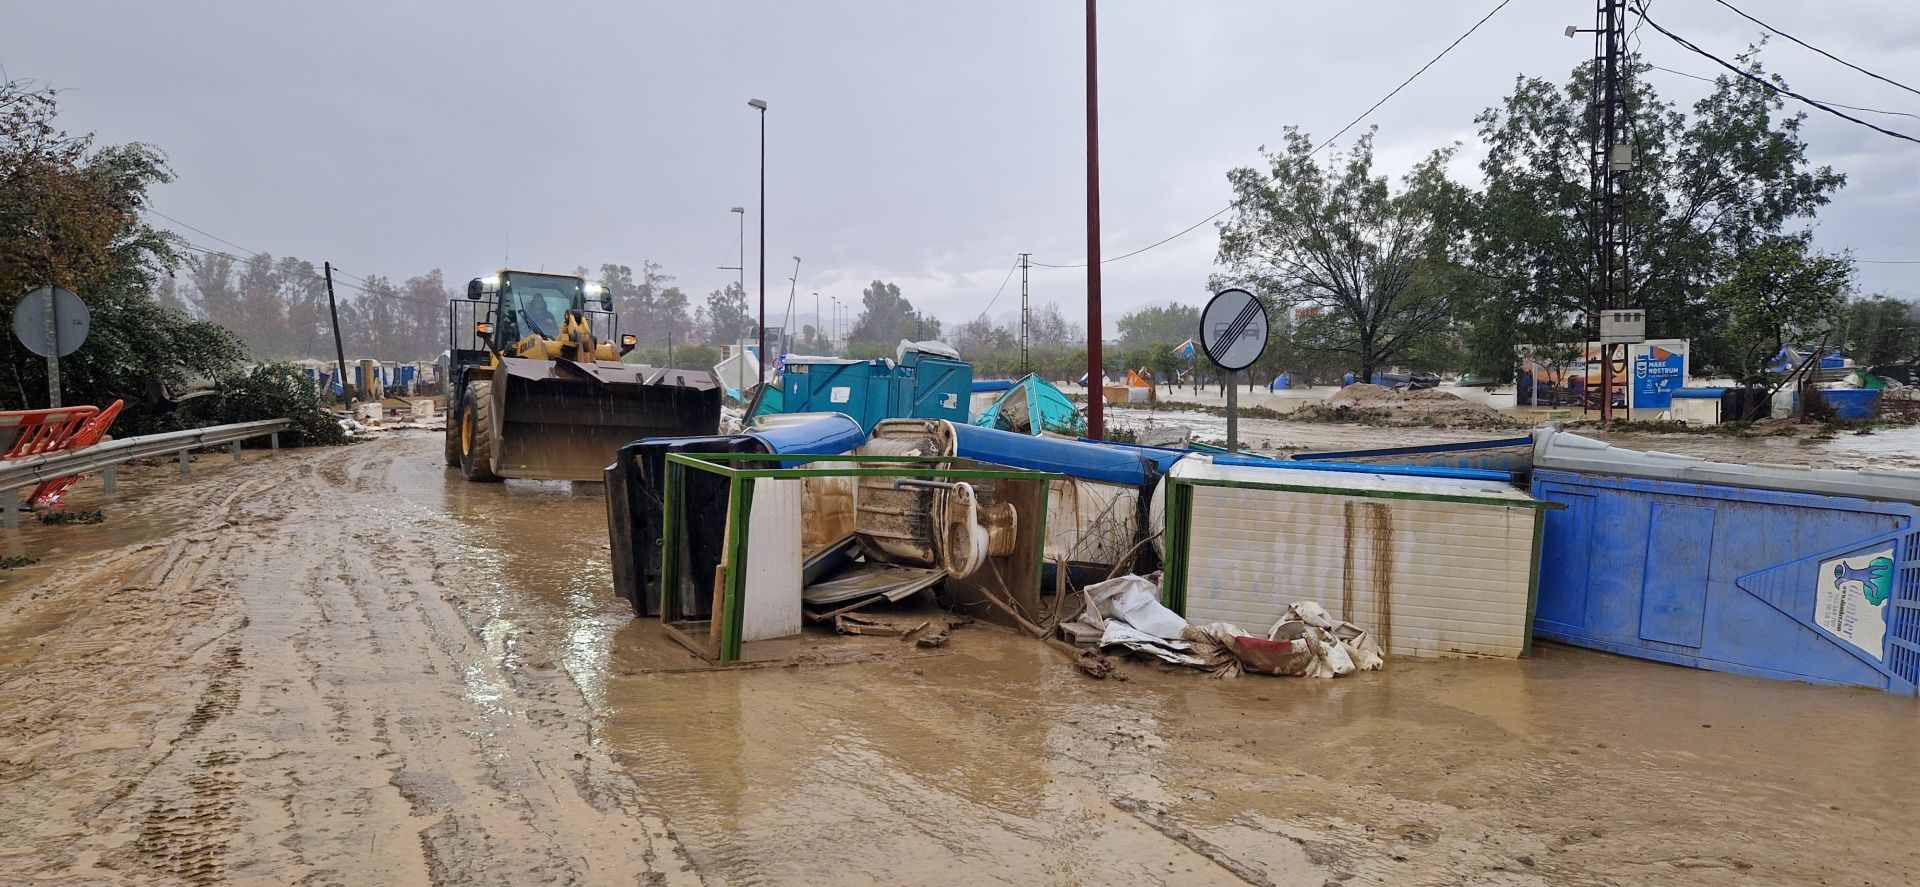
[(1376, 405)]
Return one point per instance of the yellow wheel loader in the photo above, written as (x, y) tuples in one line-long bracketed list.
[(536, 387)]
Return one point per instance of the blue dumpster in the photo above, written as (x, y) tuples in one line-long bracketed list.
[(1854, 404), (1794, 573)]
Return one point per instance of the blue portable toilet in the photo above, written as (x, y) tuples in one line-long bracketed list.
[(1794, 573), (862, 389), (933, 385)]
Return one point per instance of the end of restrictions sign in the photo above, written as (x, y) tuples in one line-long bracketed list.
[(1233, 329)]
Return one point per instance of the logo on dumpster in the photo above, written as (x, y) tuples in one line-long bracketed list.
[(1851, 597)]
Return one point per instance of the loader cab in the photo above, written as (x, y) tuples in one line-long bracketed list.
[(504, 309), (520, 304)]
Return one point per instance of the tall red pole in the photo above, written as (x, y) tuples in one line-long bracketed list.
[(764, 363), (1096, 394)]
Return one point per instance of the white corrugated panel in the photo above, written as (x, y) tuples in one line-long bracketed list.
[(1430, 578), (770, 602)]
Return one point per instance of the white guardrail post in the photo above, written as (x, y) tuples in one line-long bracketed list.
[(103, 457)]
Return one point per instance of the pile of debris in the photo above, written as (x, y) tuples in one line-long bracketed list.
[(1126, 613), (1377, 405)]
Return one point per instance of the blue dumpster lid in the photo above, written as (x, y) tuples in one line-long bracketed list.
[(1566, 451)]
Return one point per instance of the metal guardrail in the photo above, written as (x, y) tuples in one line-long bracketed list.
[(103, 457)]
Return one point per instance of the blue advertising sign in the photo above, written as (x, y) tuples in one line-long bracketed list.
[(1655, 376)]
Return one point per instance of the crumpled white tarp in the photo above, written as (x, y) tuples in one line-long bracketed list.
[(1134, 600)]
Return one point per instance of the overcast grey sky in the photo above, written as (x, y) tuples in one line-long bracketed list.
[(923, 143)]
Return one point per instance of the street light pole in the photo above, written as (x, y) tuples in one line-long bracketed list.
[(761, 106), (742, 267), (793, 290), (816, 319)]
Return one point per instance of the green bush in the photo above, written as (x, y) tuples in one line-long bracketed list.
[(272, 391)]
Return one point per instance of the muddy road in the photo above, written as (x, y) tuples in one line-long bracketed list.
[(348, 666)]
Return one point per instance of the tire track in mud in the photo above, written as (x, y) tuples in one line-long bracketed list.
[(290, 697)]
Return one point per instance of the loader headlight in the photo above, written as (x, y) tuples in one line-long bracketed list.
[(483, 328), (627, 342)]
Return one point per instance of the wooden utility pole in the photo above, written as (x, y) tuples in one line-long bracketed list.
[(1096, 394), (339, 350)]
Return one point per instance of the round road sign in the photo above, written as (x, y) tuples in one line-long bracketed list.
[(70, 322), (1233, 329)]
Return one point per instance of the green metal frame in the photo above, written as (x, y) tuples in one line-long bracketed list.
[(740, 507), (1178, 521)]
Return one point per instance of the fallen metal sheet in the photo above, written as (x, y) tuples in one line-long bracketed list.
[(1139, 641), (851, 624), (890, 581)]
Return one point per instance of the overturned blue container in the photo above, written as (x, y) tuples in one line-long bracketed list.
[(1793, 573)]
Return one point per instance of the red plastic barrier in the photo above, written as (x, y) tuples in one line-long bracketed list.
[(37, 432), (48, 493)]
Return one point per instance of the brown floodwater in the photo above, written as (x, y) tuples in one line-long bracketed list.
[(351, 666)]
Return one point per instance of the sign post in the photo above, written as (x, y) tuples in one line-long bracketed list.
[(1233, 332), (52, 323)]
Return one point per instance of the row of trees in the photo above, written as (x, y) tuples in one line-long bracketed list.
[(278, 309), (1363, 273)]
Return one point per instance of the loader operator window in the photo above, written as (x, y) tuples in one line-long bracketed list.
[(536, 303)]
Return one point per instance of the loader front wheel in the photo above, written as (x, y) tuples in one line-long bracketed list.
[(476, 433), (453, 442)]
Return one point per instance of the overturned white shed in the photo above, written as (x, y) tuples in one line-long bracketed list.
[(1434, 565)]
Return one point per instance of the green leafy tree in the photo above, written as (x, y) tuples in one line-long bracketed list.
[(1160, 325), (886, 317), (69, 216), (670, 314), (1375, 263), (1881, 330), (1779, 295), (725, 315), (979, 338), (1704, 191)]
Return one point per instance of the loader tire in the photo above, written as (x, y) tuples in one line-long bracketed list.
[(476, 433), (453, 442)]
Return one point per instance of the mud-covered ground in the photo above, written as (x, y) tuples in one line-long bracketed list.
[(348, 666)]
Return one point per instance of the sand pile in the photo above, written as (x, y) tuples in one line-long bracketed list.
[(1362, 402)]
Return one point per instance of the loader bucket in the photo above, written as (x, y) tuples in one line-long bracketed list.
[(566, 420)]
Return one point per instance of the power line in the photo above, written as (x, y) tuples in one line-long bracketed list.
[(251, 252), (1317, 149), (1003, 287), (1766, 83), (1737, 11), (1833, 103)]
